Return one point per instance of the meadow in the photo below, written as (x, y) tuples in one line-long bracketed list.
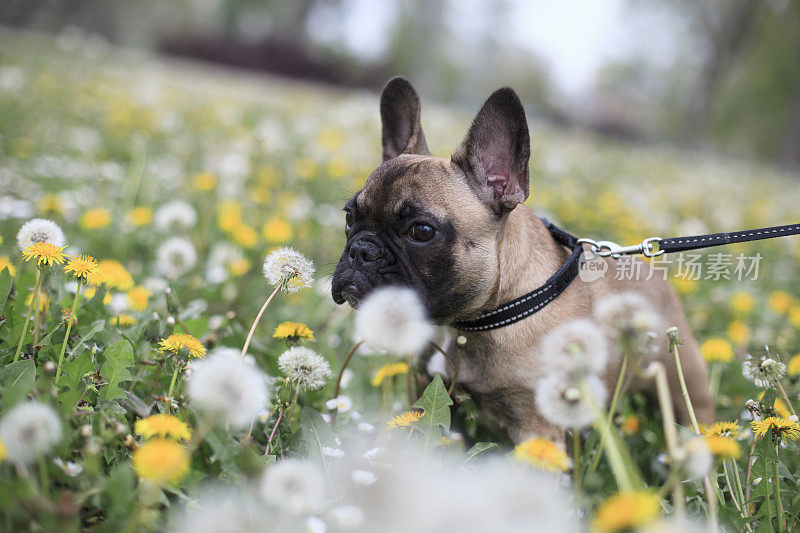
[(137, 394)]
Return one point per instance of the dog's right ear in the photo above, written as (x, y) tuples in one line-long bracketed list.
[(400, 114)]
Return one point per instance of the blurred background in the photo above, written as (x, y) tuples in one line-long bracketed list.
[(719, 74)]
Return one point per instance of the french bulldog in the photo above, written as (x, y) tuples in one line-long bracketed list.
[(457, 232)]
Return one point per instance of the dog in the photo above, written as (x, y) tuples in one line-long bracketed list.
[(457, 232)]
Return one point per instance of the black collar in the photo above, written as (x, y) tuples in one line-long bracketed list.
[(528, 304)]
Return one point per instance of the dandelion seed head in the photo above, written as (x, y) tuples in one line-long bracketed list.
[(227, 390), (578, 348), (28, 430), (40, 230), (393, 319), (175, 215), (306, 369), (561, 402), (295, 486), (175, 257), (289, 268)]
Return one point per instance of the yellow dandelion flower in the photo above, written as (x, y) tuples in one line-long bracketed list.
[(741, 303), (293, 332), (778, 406), (5, 262), (138, 297), (81, 266), (626, 510), (685, 286), (204, 181), (44, 301), (782, 428), (97, 218), (723, 429), (161, 460), (794, 316), (723, 447), (780, 302), (630, 425), (305, 168), (717, 349), (140, 216), (44, 252), (229, 215), (277, 230), (387, 372), (404, 420), (793, 369), (3, 451), (245, 236), (123, 320), (238, 267), (738, 332), (50, 204), (113, 274), (177, 342), (542, 454), (164, 426)]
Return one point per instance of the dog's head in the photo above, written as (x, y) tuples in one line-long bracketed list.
[(430, 223)]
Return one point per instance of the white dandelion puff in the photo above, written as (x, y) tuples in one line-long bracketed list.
[(562, 402), (28, 430), (294, 485), (315, 525), (763, 370), (288, 268), (365, 427), (630, 318), (394, 319), (221, 509), (578, 347), (341, 404), (40, 230), (365, 478), (175, 215), (373, 453), (333, 453), (698, 458), (306, 369), (347, 516), (225, 389), (175, 257)]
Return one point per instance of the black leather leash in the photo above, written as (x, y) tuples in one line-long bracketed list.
[(530, 303)]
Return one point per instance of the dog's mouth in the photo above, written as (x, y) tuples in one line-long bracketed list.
[(351, 295)]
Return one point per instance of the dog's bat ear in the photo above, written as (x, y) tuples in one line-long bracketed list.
[(400, 113), (494, 155)]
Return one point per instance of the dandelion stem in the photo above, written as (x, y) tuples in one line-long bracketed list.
[(785, 397), (272, 435), (72, 317), (36, 316), (658, 373), (738, 482), (778, 501), (178, 366), (716, 373), (258, 318), (455, 372), (43, 475), (615, 458), (292, 406), (410, 392), (736, 495), (672, 333), (344, 365), (711, 500), (441, 351), (28, 316), (576, 462), (612, 408)]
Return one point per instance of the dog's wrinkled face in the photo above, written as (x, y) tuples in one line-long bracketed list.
[(433, 223)]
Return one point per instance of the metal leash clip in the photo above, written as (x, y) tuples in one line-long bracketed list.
[(612, 249)]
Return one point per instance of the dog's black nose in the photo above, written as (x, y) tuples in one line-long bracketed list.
[(364, 251)]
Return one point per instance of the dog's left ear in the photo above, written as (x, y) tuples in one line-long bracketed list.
[(494, 155), (400, 114)]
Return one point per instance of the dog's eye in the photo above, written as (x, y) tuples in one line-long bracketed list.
[(348, 221), (421, 232)]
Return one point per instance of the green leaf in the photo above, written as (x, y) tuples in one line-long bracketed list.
[(6, 282), (435, 402), (316, 433), (119, 496), (479, 448), (19, 376), (119, 357)]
